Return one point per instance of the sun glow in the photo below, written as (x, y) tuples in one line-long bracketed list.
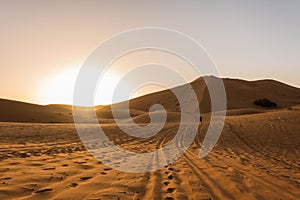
[(105, 88), (58, 88)]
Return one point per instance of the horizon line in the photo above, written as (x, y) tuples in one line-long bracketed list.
[(232, 78)]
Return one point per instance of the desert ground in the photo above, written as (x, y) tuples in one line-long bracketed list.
[(256, 157)]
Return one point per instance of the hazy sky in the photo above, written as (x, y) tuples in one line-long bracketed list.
[(44, 43)]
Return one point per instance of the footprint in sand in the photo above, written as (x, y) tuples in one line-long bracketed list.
[(49, 168), (14, 163), (5, 178), (86, 178), (107, 169), (169, 198), (24, 155), (170, 177), (83, 162), (44, 190), (166, 183), (73, 185), (103, 173), (79, 162), (170, 190)]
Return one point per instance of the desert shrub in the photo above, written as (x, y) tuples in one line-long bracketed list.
[(265, 103)]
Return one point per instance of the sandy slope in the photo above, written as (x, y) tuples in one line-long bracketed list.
[(240, 95), (15, 111), (257, 157)]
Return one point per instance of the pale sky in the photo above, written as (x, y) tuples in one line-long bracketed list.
[(44, 43)]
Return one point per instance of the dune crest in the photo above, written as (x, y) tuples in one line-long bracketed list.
[(240, 95)]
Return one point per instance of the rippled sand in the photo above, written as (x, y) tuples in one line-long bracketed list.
[(257, 157)]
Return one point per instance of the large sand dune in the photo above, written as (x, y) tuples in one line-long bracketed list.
[(15, 111), (240, 95), (256, 157)]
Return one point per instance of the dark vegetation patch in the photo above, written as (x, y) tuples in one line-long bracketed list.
[(265, 103)]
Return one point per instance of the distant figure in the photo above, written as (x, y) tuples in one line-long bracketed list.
[(200, 119)]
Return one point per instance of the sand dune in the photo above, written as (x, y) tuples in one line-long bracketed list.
[(15, 111), (240, 95), (256, 157)]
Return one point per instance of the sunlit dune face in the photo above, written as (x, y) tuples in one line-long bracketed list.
[(58, 88)]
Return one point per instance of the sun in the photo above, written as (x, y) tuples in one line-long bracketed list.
[(105, 88), (59, 87)]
